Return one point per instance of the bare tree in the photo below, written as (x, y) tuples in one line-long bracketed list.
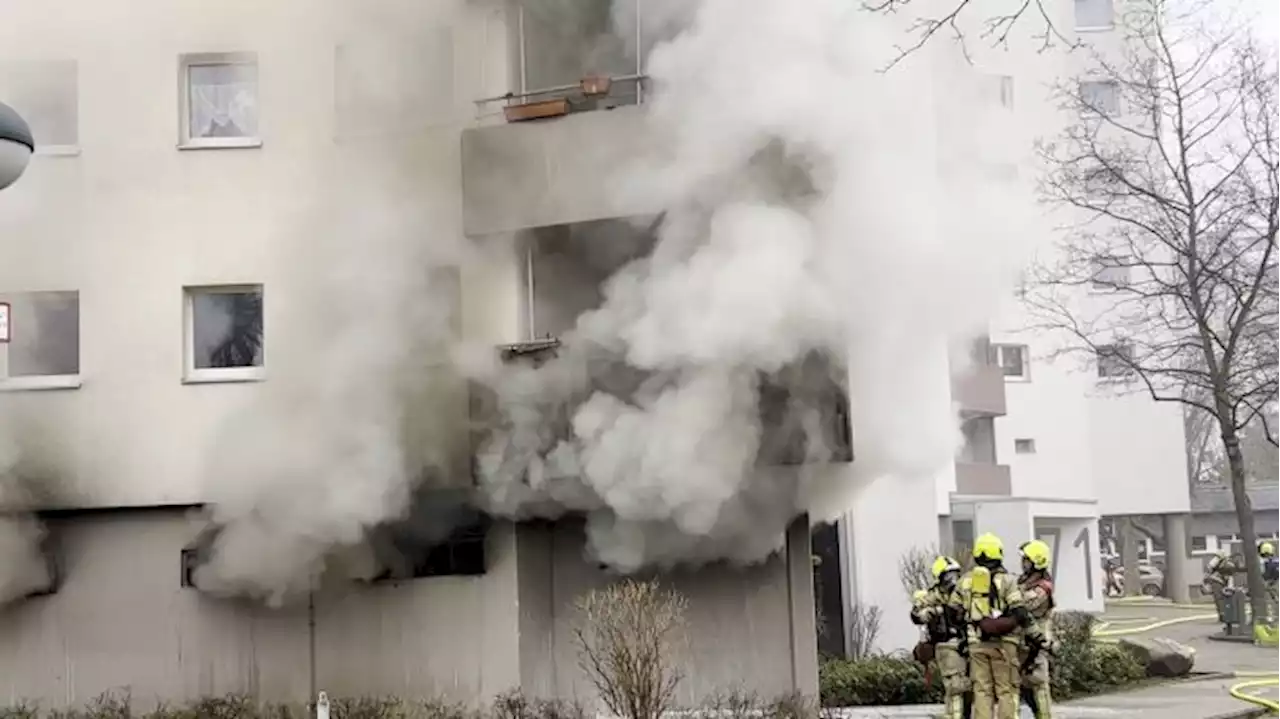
[(627, 638), (864, 629), (1166, 280), (915, 568), (953, 20)]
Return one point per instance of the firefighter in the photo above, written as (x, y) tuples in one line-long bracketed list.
[(943, 640), (1270, 574), (1218, 582), (991, 603), (1036, 584)]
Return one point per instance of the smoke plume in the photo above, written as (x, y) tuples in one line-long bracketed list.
[(804, 243), (801, 217)]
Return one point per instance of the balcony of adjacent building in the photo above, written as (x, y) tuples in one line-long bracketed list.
[(978, 388), (546, 152), (563, 270), (978, 471)]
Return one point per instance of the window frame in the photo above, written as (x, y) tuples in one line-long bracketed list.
[(1127, 376), (63, 149), (1028, 442), (195, 59), (1090, 112), (213, 375), (1005, 88), (44, 381), (1111, 25), (1098, 267), (997, 349)]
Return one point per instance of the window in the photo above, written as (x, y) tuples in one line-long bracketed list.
[(1109, 273), (1100, 96), (393, 86), (40, 342), (1012, 360), (224, 334), (1006, 91), (1115, 361), (219, 100), (1094, 14), (1024, 446), (1199, 543), (46, 94)]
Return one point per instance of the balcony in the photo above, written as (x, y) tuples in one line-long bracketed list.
[(979, 391), (979, 388), (555, 171), (976, 478)]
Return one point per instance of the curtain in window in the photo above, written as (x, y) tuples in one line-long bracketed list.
[(223, 100)]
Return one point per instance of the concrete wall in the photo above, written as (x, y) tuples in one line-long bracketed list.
[(122, 620), (748, 628)]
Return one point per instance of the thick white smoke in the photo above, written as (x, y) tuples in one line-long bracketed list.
[(803, 228), (359, 409), (802, 213)]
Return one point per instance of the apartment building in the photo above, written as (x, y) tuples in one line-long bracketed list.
[(191, 173), (1083, 428)]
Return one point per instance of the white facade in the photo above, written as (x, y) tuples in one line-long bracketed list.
[(330, 173)]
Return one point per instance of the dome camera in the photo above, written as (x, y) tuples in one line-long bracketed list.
[(16, 145)]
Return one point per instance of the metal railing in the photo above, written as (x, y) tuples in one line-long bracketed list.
[(524, 94), (578, 97)]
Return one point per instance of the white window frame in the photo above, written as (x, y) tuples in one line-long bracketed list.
[(1127, 376), (209, 375), (1095, 28), (34, 382), (1093, 112), (43, 149), (185, 63), (998, 349), (1099, 270), (1028, 442)]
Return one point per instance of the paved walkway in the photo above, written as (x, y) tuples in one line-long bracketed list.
[(1181, 700)]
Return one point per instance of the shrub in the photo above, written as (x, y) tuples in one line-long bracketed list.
[(1080, 668), (625, 638), (741, 704), (1083, 666), (878, 679)]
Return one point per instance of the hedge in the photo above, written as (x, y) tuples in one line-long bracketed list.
[(1081, 667)]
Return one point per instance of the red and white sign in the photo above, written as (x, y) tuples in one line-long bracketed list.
[(4, 322)]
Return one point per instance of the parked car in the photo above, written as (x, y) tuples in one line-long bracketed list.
[(1151, 577)]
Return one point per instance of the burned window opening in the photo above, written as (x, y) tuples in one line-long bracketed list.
[(443, 535), (195, 554), (804, 414)]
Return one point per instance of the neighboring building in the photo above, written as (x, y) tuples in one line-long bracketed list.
[(185, 162), (1082, 431)]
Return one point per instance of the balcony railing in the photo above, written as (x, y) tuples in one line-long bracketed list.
[(592, 92), (977, 478)]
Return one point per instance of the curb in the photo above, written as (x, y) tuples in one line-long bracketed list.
[(1249, 713)]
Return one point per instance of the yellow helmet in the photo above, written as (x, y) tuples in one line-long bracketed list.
[(988, 546), (942, 565), (1266, 549), (1037, 553)]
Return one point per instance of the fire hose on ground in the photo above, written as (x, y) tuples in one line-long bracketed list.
[(1257, 680)]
